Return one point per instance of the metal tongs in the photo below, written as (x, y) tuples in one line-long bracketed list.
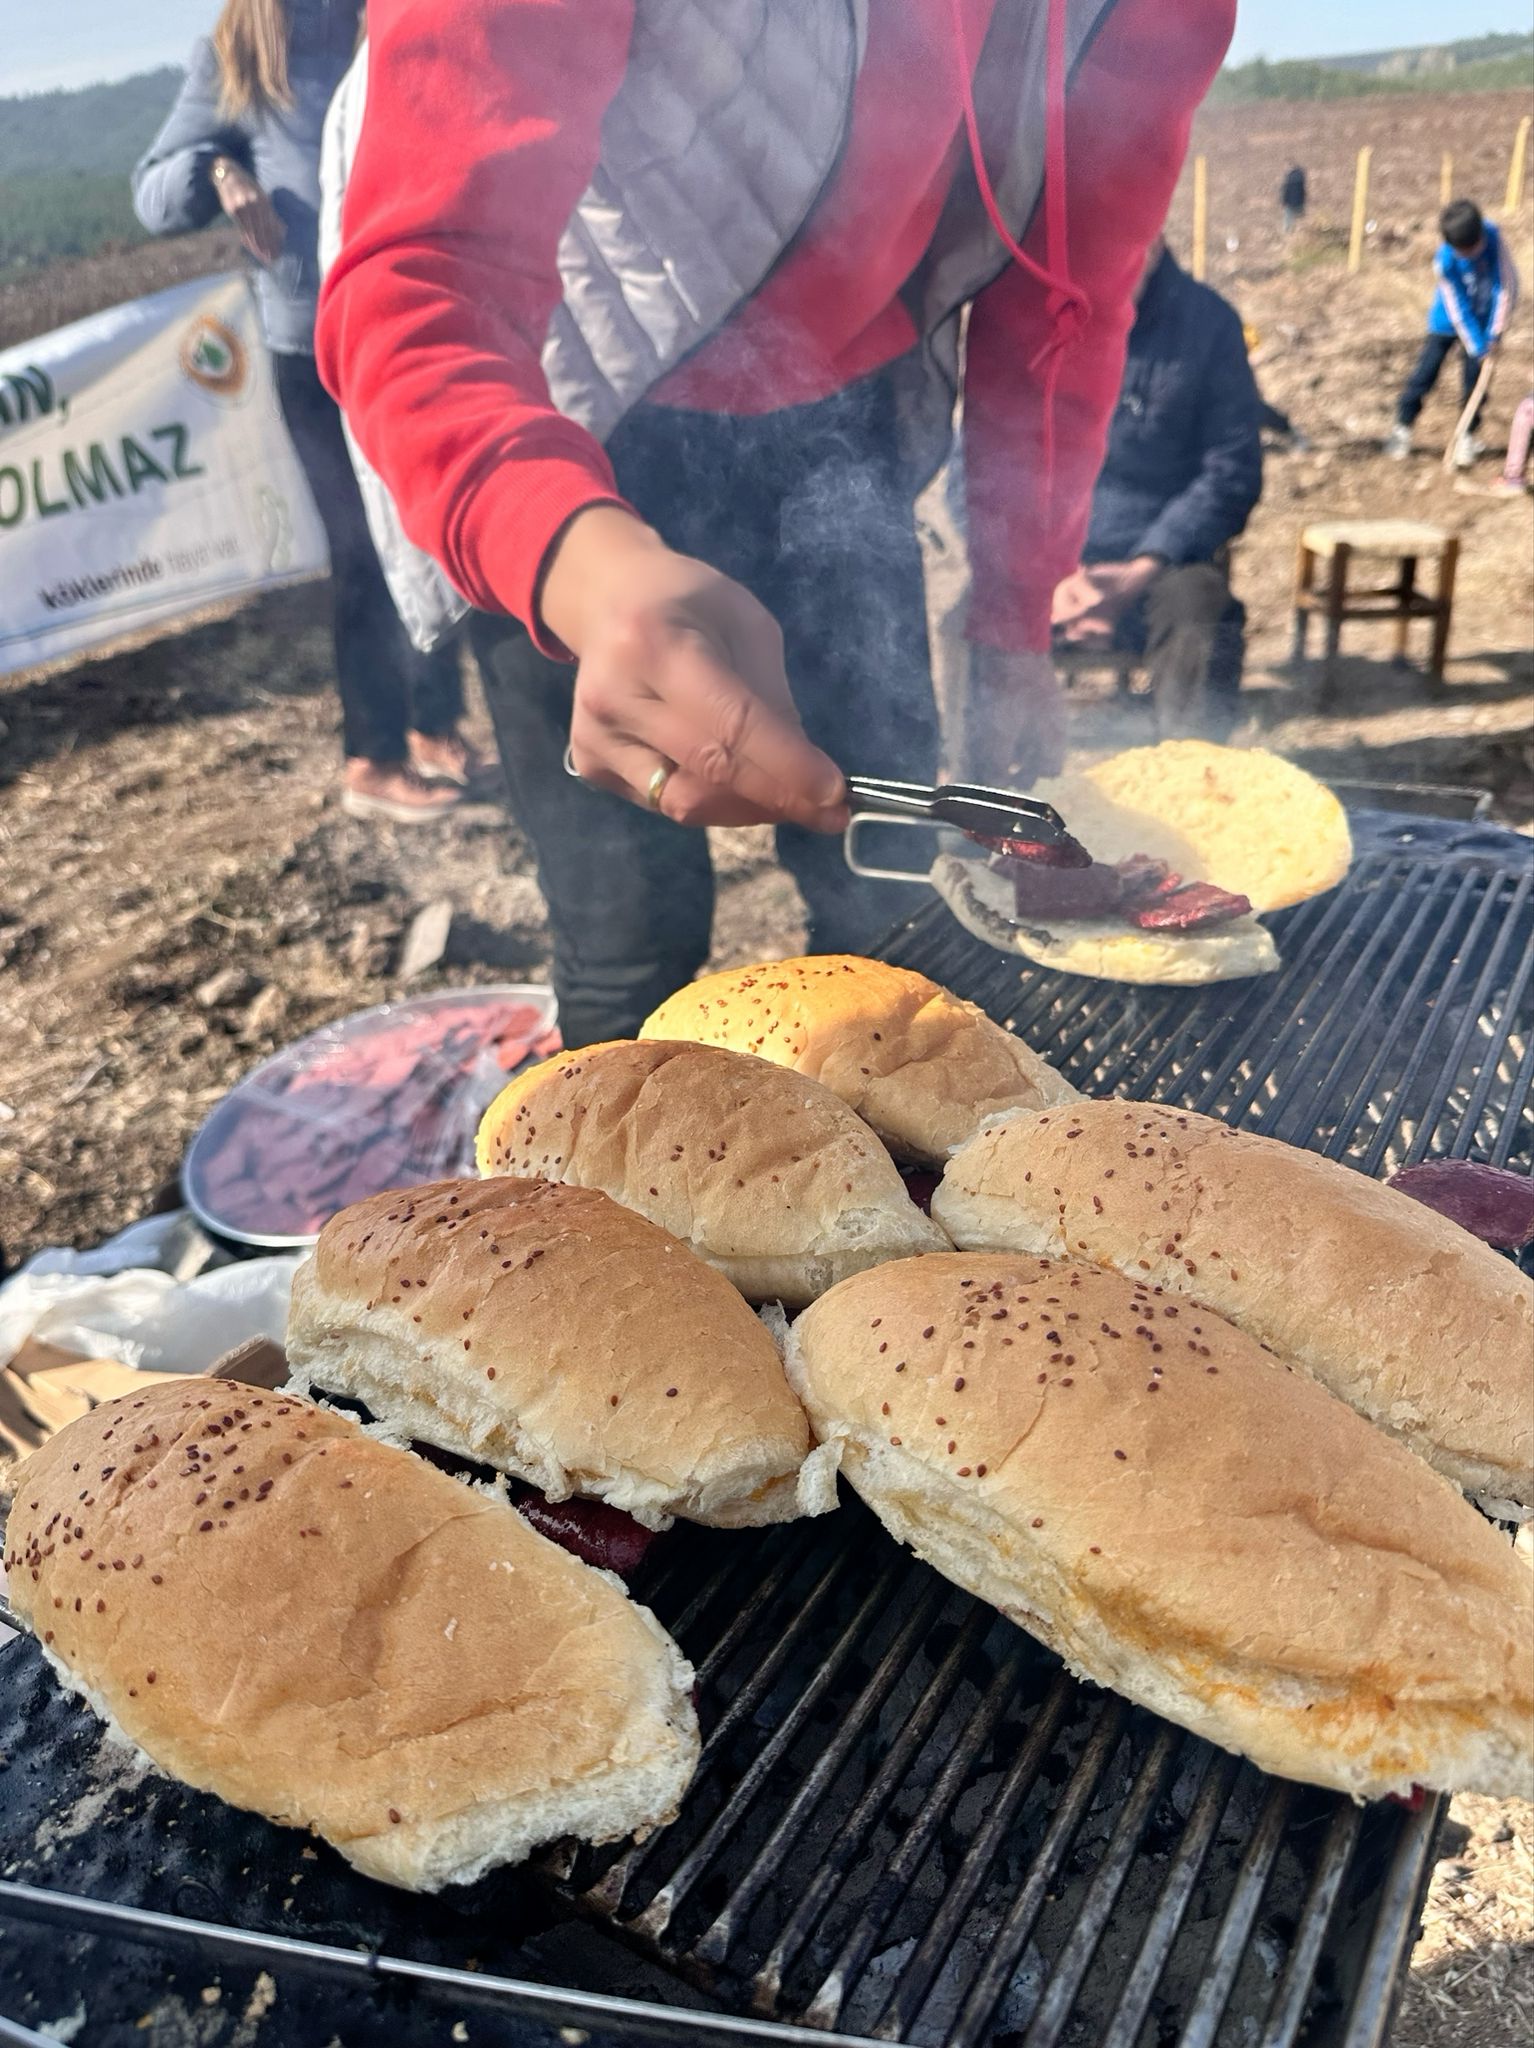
[(968, 807)]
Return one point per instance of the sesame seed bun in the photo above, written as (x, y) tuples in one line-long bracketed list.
[(325, 1630), (920, 1067), (763, 1173), (554, 1334), (1182, 1517), (1399, 1311)]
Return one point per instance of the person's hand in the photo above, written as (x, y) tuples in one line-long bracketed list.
[(254, 217), (1013, 724), (1090, 602), (682, 669)]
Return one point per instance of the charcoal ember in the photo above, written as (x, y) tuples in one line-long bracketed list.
[(1193, 907), (1488, 1200), (590, 1530)]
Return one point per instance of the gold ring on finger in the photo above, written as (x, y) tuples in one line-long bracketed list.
[(655, 788)]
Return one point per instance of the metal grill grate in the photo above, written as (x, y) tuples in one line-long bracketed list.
[(910, 1824)]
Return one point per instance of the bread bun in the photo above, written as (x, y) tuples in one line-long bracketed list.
[(920, 1067), (768, 1176), (1410, 1319), (274, 1607), (1237, 816), (552, 1333), (1181, 1517), (1104, 948)]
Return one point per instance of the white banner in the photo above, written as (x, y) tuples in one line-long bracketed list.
[(144, 471)]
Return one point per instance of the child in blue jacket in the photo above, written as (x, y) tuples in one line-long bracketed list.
[(1477, 289)]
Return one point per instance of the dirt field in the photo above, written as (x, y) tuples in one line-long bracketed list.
[(169, 810)]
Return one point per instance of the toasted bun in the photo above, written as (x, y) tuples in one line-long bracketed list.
[(274, 1607), (984, 904), (768, 1176), (1410, 1319), (1238, 816), (921, 1068), (1235, 1549), (554, 1334)]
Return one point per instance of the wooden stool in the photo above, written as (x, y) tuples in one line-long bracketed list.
[(1403, 541)]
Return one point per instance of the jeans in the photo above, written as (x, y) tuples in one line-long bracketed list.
[(1192, 632), (387, 687), (1436, 350), (806, 507)]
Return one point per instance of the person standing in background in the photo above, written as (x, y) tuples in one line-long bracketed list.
[(1291, 197), (244, 139), (1477, 288)]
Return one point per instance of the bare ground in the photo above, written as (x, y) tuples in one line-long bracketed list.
[(169, 808)]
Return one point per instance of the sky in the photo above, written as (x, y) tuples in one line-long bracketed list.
[(75, 42)]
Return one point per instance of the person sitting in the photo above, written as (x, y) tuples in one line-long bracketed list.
[(1182, 473), (1477, 288)]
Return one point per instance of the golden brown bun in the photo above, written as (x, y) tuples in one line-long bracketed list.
[(1410, 1319), (552, 1333), (920, 1067), (1237, 1549), (325, 1630), (768, 1176)]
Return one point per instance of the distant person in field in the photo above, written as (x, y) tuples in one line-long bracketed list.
[(1182, 474), (1514, 481), (1477, 290), (1291, 197), (244, 138)]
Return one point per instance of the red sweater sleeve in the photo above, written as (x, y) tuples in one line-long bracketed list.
[(1130, 110), (481, 131)]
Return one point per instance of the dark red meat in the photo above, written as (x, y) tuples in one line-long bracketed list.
[(1063, 853), (589, 1530), (1192, 907), (1142, 891), (1488, 1200)]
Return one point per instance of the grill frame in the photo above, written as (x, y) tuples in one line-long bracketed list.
[(1440, 945)]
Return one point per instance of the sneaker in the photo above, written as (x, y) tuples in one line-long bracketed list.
[(1468, 451), (1398, 443), (391, 791), (448, 757)]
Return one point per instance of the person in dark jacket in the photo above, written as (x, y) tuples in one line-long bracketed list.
[(1291, 197), (244, 139), (1182, 473)]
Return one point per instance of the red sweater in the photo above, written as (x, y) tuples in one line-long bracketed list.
[(481, 133)]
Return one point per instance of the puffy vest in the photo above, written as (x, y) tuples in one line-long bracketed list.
[(728, 124)]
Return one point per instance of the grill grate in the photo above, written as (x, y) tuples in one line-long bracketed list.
[(910, 1824)]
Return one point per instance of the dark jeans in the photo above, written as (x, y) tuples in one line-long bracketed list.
[(805, 507), (1192, 633), (1436, 350), (386, 687)]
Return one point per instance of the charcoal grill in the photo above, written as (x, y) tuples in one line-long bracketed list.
[(910, 1824)]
